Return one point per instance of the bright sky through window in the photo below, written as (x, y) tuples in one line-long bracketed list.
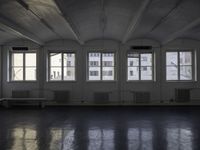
[(23, 66)]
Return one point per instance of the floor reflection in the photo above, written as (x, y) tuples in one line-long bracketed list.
[(101, 139), (61, 139), (99, 129), (140, 138), (179, 138), (23, 139)]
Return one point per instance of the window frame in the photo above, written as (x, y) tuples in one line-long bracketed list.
[(101, 67), (193, 65), (62, 66), (152, 52), (24, 66)]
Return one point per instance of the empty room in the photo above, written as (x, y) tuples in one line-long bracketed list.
[(99, 74)]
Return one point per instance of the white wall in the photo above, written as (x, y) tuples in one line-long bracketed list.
[(82, 89)]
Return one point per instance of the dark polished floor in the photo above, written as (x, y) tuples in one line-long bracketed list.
[(100, 128)]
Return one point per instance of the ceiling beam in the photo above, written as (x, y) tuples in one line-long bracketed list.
[(167, 16), (135, 20), (42, 20), (13, 28), (178, 33), (71, 25)]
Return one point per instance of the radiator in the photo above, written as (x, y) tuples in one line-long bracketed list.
[(141, 97), (182, 95), (101, 97)]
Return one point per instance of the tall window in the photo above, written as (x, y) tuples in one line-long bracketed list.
[(23, 66), (140, 66), (179, 65), (101, 66), (62, 66)]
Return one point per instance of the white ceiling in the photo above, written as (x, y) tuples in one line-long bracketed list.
[(83, 20)]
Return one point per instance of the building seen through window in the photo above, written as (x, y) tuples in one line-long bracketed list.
[(62, 66), (140, 66), (101, 66)]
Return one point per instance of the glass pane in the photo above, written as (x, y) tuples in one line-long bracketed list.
[(146, 59), (69, 59), (146, 73), (55, 73), (108, 59), (186, 73), (31, 59), (134, 55), (172, 73), (185, 58), (94, 73), (94, 59), (108, 63), (17, 73), (94, 66), (69, 73), (108, 73), (30, 73), (133, 62), (17, 59), (172, 59), (133, 73), (56, 59)]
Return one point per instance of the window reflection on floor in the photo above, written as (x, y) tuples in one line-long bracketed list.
[(24, 139), (179, 139), (62, 139), (139, 138), (101, 139)]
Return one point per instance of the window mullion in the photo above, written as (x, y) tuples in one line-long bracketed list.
[(127, 68), (152, 67), (49, 66), (115, 60), (193, 66), (101, 67), (139, 66), (62, 66), (88, 66), (24, 67), (178, 65), (11, 66)]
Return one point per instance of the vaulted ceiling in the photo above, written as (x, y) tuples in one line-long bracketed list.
[(83, 20)]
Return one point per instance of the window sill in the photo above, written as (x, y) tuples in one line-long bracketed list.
[(141, 81), (180, 81), (101, 81), (22, 81), (62, 81)]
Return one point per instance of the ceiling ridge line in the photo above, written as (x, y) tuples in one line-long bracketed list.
[(135, 20), (41, 19), (181, 31), (164, 19), (69, 22)]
